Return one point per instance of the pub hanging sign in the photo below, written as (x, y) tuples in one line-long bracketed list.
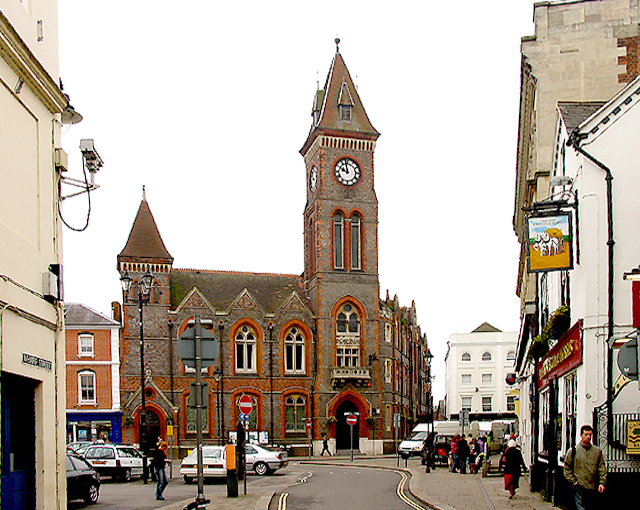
[(549, 246)]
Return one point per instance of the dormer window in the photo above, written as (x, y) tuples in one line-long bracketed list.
[(345, 112)]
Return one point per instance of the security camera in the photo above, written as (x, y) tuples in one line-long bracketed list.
[(92, 159)]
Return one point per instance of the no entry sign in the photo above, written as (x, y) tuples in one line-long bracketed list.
[(245, 404), (352, 419)]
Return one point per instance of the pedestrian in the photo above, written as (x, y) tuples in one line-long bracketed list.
[(513, 461), (584, 468), (454, 454), (325, 445), (158, 461), (463, 455)]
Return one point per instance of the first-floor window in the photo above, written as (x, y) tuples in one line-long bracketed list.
[(466, 404), (511, 403), (87, 382), (486, 404), (388, 368), (348, 356), (245, 350), (85, 342), (465, 380), (486, 379), (296, 413), (294, 351)]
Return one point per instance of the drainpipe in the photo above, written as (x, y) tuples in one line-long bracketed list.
[(574, 141)]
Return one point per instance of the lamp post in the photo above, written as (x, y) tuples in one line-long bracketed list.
[(217, 375), (143, 297), (429, 357)]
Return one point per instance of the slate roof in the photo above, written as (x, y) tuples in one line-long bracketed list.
[(222, 288), (575, 113), (145, 243), (77, 314), (485, 327), (340, 89)]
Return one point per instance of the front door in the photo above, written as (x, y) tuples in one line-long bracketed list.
[(343, 430), (18, 442), (149, 432)]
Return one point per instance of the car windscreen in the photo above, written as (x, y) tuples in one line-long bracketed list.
[(418, 436), (206, 454)]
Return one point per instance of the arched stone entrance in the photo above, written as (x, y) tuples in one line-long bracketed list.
[(150, 431), (343, 431)]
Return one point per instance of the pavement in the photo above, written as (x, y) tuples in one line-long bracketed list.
[(437, 490)]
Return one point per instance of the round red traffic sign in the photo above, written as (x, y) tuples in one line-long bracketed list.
[(245, 404), (352, 419)]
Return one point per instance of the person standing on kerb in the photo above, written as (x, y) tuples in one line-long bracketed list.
[(585, 470), (158, 462)]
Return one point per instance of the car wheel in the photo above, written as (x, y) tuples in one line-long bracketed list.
[(92, 494), (187, 479), (126, 475), (261, 468)]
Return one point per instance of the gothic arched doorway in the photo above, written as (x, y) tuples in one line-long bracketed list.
[(343, 431), (150, 431)]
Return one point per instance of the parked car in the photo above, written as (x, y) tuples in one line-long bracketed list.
[(265, 461), (413, 445), (115, 460), (214, 463), (83, 482), (78, 447)]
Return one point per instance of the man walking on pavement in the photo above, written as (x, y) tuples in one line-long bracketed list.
[(325, 445), (584, 468)]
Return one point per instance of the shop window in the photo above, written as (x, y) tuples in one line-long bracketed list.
[(296, 413)]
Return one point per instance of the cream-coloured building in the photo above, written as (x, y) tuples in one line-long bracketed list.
[(32, 353), (477, 365)]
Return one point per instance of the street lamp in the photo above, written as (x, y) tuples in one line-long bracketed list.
[(143, 297), (429, 357), (217, 375)]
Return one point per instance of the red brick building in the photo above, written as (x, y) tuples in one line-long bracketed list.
[(92, 375), (304, 347)]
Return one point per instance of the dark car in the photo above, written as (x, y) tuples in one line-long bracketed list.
[(83, 482)]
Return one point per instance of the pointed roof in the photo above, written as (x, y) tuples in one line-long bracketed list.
[(77, 315), (145, 243), (575, 113), (485, 327), (339, 89)]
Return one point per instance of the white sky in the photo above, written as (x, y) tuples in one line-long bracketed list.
[(208, 103)]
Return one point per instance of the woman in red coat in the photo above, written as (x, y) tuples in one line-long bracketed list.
[(512, 462)]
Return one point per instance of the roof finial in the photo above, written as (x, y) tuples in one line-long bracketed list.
[(337, 41), (144, 194)]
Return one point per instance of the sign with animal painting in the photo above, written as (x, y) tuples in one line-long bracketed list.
[(549, 246)]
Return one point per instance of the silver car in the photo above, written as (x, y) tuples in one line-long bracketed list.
[(265, 461)]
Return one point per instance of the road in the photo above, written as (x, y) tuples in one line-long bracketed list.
[(297, 487), (325, 487)]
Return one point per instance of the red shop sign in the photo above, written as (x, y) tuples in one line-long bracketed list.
[(563, 357)]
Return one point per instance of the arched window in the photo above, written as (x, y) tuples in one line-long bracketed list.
[(296, 412), (348, 337), (87, 387), (486, 356), (245, 350), (338, 241), (294, 362), (466, 356), (355, 243), (253, 416), (511, 356)]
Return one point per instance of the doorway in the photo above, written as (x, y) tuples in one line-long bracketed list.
[(150, 431), (343, 430), (18, 442)]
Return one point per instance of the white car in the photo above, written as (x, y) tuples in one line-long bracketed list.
[(413, 445), (214, 461), (265, 461), (115, 460)]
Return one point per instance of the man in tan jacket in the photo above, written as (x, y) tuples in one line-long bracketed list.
[(584, 468)]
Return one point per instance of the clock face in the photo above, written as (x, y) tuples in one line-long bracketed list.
[(313, 179), (347, 171)]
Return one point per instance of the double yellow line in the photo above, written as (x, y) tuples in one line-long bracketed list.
[(282, 500)]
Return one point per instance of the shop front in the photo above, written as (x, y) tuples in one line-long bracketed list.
[(93, 426)]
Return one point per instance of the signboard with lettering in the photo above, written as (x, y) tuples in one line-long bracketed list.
[(35, 361), (550, 242), (563, 357)]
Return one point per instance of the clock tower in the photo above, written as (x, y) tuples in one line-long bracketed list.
[(341, 241)]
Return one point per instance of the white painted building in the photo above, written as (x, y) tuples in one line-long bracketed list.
[(477, 365), (574, 377), (32, 356)]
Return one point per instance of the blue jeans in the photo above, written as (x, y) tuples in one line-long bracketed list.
[(161, 480), (584, 499)]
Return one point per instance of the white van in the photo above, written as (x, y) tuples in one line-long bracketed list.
[(414, 444)]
